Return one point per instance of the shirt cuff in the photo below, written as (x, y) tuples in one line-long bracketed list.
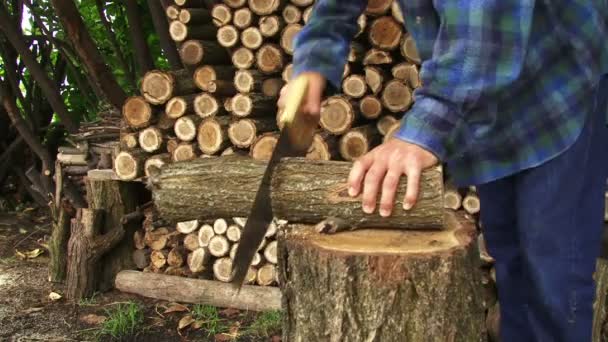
[(334, 79), (428, 125)]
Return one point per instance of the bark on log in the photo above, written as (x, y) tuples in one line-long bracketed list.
[(302, 191), (243, 18), (243, 58), (270, 26), (385, 33), (358, 141), (198, 291), (425, 287), (243, 133), (251, 38), (287, 36), (137, 112), (151, 139), (269, 59), (158, 86), (212, 135), (227, 36), (180, 32), (222, 15), (129, 165), (252, 105), (337, 114), (370, 107), (194, 52), (206, 106), (396, 96), (208, 73)]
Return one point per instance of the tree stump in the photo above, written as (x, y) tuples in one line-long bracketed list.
[(382, 285)]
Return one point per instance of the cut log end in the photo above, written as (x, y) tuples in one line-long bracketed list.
[(156, 162), (221, 14), (183, 152), (233, 233), (191, 52), (288, 35), (178, 31), (377, 57), (251, 38), (191, 242), (264, 7), (263, 146), (353, 145), (270, 252), (242, 133), (374, 79), (267, 275), (269, 26), (206, 105), (205, 233), (337, 115), (292, 14), (129, 165), (242, 18), (227, 36), (150, 139), (385, 33), (220, 226), (187, 227), (222, 269), (157, 86), (354, 86), (370, 107), (269, 59), (197, 260), (408, 49), (385, 123), (218, 246), (243, 58), (176, 107), (377, 7), (211, 136), (396, 96), (137, 112)]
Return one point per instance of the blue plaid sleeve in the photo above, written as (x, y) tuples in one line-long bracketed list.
[(324, 42), (478, 51)]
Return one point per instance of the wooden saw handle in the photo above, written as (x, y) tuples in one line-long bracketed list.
[(300, 128)]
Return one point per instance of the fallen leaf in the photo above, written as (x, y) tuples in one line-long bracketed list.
[(197, 325), (54, 296), (230, 312), (92, 319), (176, 308), (34, 253), (20, 255), (185, 322), (222, 338)]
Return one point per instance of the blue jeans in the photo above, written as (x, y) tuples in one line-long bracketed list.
[(543, 226)]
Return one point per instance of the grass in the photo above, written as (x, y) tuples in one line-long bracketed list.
[(8, 261), (124, 321), (265, 324), (88, 301), (209, 319)]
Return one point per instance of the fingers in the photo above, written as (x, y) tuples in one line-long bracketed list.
[(389, 189), (312, 105), (282, 97), (357, 173), (373, 178), (413, 187)]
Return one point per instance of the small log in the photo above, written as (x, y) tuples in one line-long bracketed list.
[(252, 273), (271, 87), (180, 105), (287, 36), (197, 260), (377, 57), (408, 49), (183, 152), (408, 73), (158, 86), (247, 81), (191, 242), (194, 16), (218, 246), (158, 259), (207, 106), (337, 114), (205, 234), (128, 141), (235, 3), (187, 227), (354, 86), (194, 52), (391, 131), (251, 38), (287, 73), (86, 246), (267, 275), (265, 7), (172, 12), (172, 144), (227, 36), (215, 187), (385, 123), (252, 105), (385, 33), (191, 3), (242, 18), (176, 257), (374, 78), (207, 73), (179, 32), (156, 161), (302, 3), (243, 58), (212, 135), (270, 252), (270, 26), (397, 12), (129, 165), (358, 141), (291, 14), (269, 59), (141, 258), (396, 96), (220, 226), (378, 7), (452, 199), (157, 239), (262, 147), (186, 126), (364, 275), (72, 159), (222, 269), (151, 139), (136, 112), (233, 233), (370, 107), (222, 15), (242, 133), (165, 123), (471, 203), (138, 239), (323, 147)]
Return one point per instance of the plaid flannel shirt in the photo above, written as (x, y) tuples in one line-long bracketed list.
[(506, 84)]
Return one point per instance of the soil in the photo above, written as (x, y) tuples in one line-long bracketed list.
[(28, 314)]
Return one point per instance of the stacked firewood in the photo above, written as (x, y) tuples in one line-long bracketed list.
[(461, 198), (202, 249), (237, 57)]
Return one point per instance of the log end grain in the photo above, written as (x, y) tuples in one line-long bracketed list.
[(211, 136), (370, 107), (243, 58), (385, 33), (206, 105), (263, 146), (191, 52), (396, 96), (287, 37), (227, 36), (242, 133), (269, 59), (337, 114), (157, 86), (251, 38), (137, 112)]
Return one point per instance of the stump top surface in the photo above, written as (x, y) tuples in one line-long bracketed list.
[(459, 233)]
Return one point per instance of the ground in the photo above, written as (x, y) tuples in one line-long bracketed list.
[(27, 313)]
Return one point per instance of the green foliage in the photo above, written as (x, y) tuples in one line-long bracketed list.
[(90, 301), (209, 319), (124, 321), (265, 325)]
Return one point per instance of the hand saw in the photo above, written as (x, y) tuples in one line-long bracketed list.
[(294, 141)]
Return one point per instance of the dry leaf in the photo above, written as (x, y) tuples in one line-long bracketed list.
[(197, 325), (29, 255), (54, 296), (222, 338), (230, 312), (184, 322), (92, 319), (20, 255), (175, 307)]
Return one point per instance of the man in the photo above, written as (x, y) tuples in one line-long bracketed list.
[(511, 101)]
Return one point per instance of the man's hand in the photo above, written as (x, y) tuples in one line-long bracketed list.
[(383, 167), (311, 104)]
